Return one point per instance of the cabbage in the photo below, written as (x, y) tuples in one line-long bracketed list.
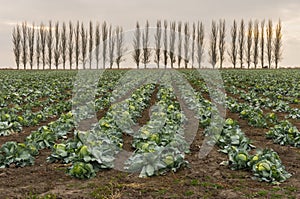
[(154, 138), (263, 165), (168, 160), (82, 170), (229, 121)]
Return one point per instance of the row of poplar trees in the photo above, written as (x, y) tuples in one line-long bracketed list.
[(175, 43), (70, 46)]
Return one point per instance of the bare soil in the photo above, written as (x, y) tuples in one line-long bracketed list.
[(204, 178)]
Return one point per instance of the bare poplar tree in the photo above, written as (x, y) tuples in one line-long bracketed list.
[(146, 49), (57, 47), (16, 35), (91, 43), (269, 42), (172, 43), (63, 45), (262, 43), (193, 44), (233, 49), (84, 42), (186, 44), (241, 41), (111, 47), (278, 44), (43, 36), (255, 43), (38, 50), (137, 45), (179, 56), (31, 36), (77, 44), (213, 54), (249, 43), (119, 45), (97, 43), (199, 43), (157, 38), (222, 35), (50, 44), (70, 44), (165, 50), (104, 43), (24, 44)]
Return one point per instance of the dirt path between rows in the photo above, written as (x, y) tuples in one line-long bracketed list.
[(204, 178)]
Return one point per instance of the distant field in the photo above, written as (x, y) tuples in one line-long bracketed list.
[(64, 133)]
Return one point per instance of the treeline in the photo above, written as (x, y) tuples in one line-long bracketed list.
[(69, 45), (175, 43)]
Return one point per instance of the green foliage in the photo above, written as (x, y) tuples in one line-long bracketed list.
[(43, 137), (230, 137), (254, 116), (81, 170), (17, 154), (294, 114), (161, 160), (238, 158), (99, 145), (271, 118), (267, 166), (8, 124), (160, 143), (284, 133)]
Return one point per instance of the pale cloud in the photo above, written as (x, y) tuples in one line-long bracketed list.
[(291, 32), (8, 23)]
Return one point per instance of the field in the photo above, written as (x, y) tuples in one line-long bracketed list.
[(150, 134)]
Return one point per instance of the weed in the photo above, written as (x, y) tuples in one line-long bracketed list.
[(194, 182), (189, 193)]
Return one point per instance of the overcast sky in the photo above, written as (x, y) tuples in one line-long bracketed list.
[(127, 12)]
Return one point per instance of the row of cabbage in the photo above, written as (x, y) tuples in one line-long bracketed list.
[(281, 84), (264, 163), (22, 154), (282, 132), (42, 92), (96, 149), (255, 99), (276, 91), (30, 98), (159, 144)]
